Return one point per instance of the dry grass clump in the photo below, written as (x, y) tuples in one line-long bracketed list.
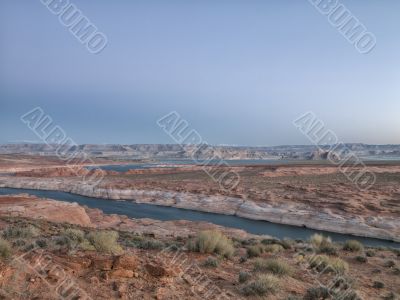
[(353, 245), (370, 253), (74, 238), (275, 248), (275, 266), (244, 276), (285, 243), (389, 263), (24, 232), (318, 239), (211, 262), (255, 251), (211, 241), (75, 235), (326, 264), (264, 284), (361, 258), (150, 244), (316, 293), (105, 241), (5, 249), (323, 244)]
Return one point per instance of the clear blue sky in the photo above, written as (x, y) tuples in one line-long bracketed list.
[(238, 71)]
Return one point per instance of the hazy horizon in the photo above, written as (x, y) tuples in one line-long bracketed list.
[(216, 145), (238, 72)]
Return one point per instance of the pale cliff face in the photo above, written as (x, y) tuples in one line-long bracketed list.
[(174, 151)]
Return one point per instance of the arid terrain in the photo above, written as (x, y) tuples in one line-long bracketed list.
[(87, 255), (68, 250), (316, 195)]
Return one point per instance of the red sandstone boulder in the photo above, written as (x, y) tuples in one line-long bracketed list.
[(126, 261), (121, 273), (102, 263)]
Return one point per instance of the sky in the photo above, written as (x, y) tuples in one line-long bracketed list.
[(239, 72)]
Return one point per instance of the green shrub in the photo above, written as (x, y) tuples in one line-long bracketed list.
[(361, 259), (255, 251), (327, 248), (244, 276), (42, 243), (264, 284), (275, 248), (285, 243), (250, 242), (270, 241), (130, 240), (326, 264), (75, 235), (150, 244), (19, 243), (353, 245), (378, 285), (71, 238), (243, 259), (63, 241), (211, 241), (29, 247), (192, 245), (370, 253), (24, 232), (172, 246), (317, 293), (211, 262), (105, 241), (275, 266), (5, 249), (389, 264)]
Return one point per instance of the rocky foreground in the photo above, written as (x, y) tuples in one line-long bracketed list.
[(27, 206), (80, 253)]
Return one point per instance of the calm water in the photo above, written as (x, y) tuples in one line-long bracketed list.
[(165, 163), (122, 168), (164, 213)]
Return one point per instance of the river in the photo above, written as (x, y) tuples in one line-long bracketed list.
[(164, 213)]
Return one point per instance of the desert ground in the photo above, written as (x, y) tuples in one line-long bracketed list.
[(52, 249), (314, 195)]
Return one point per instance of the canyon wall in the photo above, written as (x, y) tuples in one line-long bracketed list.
[(376, 227)]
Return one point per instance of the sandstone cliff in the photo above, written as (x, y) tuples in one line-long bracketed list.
[(382, 227)]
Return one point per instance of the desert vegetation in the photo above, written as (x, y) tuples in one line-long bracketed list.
[(262, 285), (213, 242), (353, 245), (247, 268)]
